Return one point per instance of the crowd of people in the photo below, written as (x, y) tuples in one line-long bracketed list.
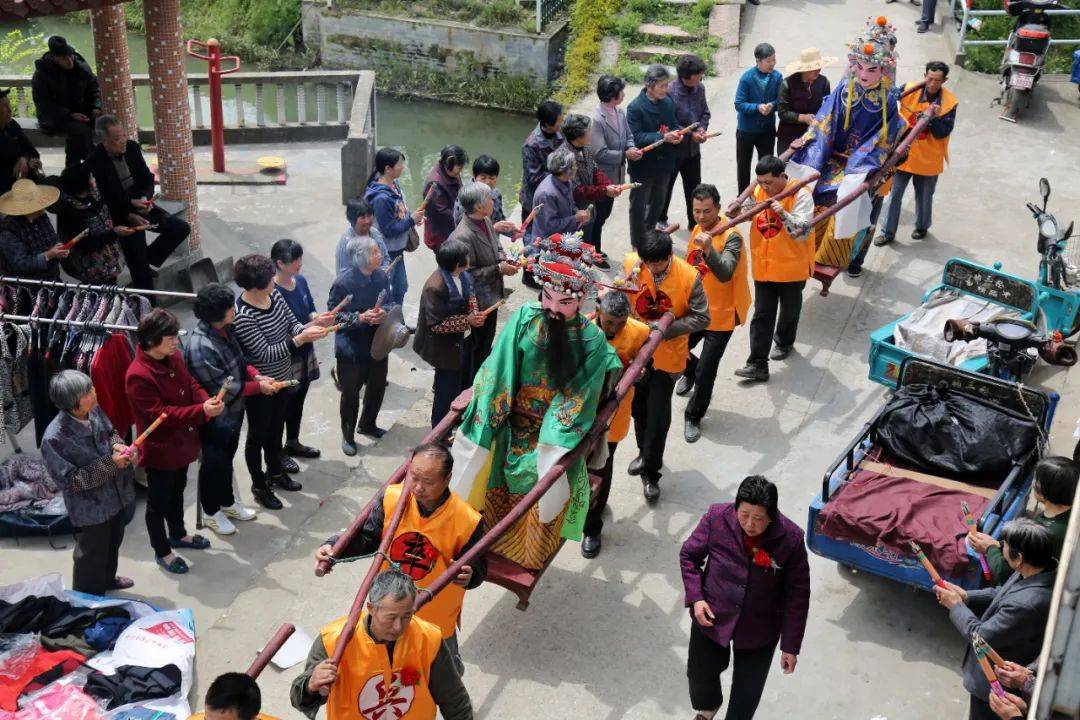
[(251, 356)]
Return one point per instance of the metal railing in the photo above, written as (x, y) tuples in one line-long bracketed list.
[(545, 11), (966, 17), (310, 105)]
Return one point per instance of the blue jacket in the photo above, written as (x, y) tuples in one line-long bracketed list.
[(353, 342), (558, 213), (385, 201), (756, 88), (645, 117)]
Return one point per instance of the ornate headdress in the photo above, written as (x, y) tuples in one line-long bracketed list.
[(875, 45), (565, 264)]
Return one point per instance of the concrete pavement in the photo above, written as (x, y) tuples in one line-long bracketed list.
[(606, 638)]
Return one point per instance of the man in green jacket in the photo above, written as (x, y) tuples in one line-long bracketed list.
[(1055, 487)]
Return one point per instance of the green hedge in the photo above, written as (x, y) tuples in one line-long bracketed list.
[(589, 21), (982, 58)]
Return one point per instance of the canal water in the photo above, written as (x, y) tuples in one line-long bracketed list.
[(419, 128)]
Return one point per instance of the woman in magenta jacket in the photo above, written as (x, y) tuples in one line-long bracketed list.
[(158, 382), (747, 582)]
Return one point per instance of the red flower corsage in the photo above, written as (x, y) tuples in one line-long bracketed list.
[(409, 676), (663, 129), (763, 560)]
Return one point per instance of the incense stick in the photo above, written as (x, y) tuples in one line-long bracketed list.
[(145, 434), (921, 557), (71, 243), (427, 198), (224, 386), (972, 527)]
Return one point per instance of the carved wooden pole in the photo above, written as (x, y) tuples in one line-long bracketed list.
[(172, 117), (114, 66)]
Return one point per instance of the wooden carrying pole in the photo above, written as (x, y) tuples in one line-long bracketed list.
[(758, 207), (259, 663), (353, 530), (792, 150), (600, 424)]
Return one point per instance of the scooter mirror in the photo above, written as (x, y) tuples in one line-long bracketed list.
[(1044, 190)]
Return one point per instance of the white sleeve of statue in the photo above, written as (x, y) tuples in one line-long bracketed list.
[(855, 216), (554, 500), (469, 460)]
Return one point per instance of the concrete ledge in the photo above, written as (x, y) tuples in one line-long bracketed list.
[(724, 24), (233, 135), (358, 151)]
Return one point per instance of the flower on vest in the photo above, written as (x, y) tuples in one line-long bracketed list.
[(763, 560), (409, 676)]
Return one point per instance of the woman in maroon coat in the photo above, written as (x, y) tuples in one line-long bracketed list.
[(158, 382), (747, 582)]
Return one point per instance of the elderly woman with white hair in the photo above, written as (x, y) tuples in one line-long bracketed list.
[(651, 118), (487, 268), (367, 286), (86, 459), (556, 192)]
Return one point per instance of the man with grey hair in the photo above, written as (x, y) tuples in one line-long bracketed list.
[(626, 335), (389, 641), (651, 118), (86, 459), (556, 192), (127, 187)]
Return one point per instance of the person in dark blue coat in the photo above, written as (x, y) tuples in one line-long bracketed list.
[(755, 102), (651, 117), (366, 282)]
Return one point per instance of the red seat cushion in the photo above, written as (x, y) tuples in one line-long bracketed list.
[(1033, 32)]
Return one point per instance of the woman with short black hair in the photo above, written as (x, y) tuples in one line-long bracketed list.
[(158, 385), (268, 333), (215, 359), (747, 584), (288, 257), (443, 183), (86, 459), (392, 216)]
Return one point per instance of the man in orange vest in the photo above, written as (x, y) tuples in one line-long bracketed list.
[(436, 528), (666, 283), (928, 155), (626, 335), (782, 258), (395, 666), (722, 263)]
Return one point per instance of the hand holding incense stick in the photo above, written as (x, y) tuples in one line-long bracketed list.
[(972, 527), (921, 557), (130, 449), (628, 186), (493, 308), (279, 384), (71, 243), (982, 652), (224, 386), (680, 132), (341, 305), (528, 219), (427, 198)]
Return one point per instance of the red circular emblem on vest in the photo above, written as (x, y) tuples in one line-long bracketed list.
[(650, 308), (698, 261), (768, 224), (414, 553)]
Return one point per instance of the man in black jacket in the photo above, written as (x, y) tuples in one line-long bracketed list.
[(18, 157), (127, 186), (67, 98)]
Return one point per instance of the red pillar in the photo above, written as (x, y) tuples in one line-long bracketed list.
[(172, 118), (114, 66)]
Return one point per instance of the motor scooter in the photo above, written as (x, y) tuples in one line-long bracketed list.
[(1025, 53), (1059, 266), (1012, 345)]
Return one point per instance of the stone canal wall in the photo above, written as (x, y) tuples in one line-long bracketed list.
[(358, 39)]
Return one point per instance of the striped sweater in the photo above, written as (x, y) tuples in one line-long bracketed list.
[(267, 335)]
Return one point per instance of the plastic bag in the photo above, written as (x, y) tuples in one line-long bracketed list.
[(17, 651), (946, 432), (61, 702)]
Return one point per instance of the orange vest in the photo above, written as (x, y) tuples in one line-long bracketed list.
[(650, 303), (776, 256), (259, 716), (928, 154), (426, 546), (368, 687), (728, 301), (626, 344)]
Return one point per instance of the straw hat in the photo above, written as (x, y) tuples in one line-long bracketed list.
[(809, 59), (27, 197)]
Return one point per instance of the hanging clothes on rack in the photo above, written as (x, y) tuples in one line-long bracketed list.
[(107, 372)]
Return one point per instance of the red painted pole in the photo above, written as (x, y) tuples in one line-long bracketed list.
[(276, 641), (217, 120)]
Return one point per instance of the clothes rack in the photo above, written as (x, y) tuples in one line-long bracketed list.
[(92, 325), (96, 288)]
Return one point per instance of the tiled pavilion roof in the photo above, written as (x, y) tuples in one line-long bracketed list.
[(22, 9)]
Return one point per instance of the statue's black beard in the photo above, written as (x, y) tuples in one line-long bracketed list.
[(562, 356)]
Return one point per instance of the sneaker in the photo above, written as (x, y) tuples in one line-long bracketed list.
[(298, 449), (853, 271), (691, 430), (289, 465), (266, 497), (236, 511), (348, 447), (684, 386), (757, 373), (219, 523), (918, 234), (780, 352), (922, 27), (882, 240), (284, 482)]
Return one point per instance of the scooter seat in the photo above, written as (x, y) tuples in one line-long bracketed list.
[(1034, 32)]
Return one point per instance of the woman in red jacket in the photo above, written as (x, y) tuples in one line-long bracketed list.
[(158, 382)]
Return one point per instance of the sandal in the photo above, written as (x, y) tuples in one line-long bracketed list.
[(122, 583), (197, 542), (176, 567)]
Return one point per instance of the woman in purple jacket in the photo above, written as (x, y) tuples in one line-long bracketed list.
[(747, 582)]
